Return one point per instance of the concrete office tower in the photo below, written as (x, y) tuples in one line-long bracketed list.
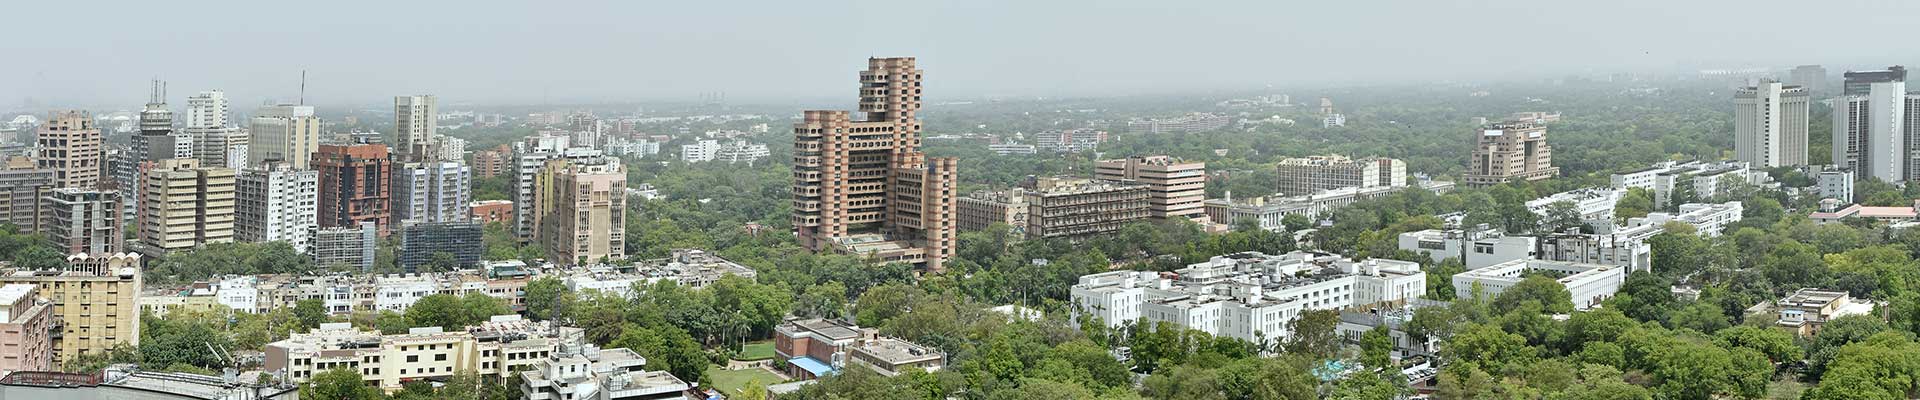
[(420, 242), (415, 128), (1309, 175), (352, 246), (84, 221), (863, 186), (71, 146), (1176, 189), (355, 185), (1511, 150), (26, 329), (1082, 208), (185, 206), (276, 203), (1870, 136), (287, 133), (214, 139), (95, 302), (431, 192), (1770, 125), (1811, 77), (156, 139), (207, 109), (21, 188), (587, 218)]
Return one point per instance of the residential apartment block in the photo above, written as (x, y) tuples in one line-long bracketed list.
[(277, 203), (26, 329), (431, 192), (353, 246), (84, 221), (71, 146), (494, 349), (1310, 175), (583, 210), (1248, 296)]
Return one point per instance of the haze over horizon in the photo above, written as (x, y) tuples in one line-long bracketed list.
[(360, 52)]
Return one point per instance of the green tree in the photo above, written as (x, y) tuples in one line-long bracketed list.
[(1314, 334), (338, 384), (1376, 348), (1540, 289), (310, 313), (442, 310), (544, 296), (1636, 203)]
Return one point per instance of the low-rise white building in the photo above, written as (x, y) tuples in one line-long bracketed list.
[(1707, 219), (1249, 295), (397, 292), (1476, 247), (240, 293), (1836, 184), (1587, 284), (1595, 204)]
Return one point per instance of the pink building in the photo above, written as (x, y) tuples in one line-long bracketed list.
[(26, 341)]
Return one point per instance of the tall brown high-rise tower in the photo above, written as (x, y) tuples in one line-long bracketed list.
[(864, 187)]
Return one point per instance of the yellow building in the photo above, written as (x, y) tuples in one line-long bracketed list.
[(95, 302), (184, 205), (192, 300)]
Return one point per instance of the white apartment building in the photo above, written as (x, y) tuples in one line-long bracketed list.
[(741, 151), (583, 371), (1246, 295), (432, 192), (1595, 204), (397, 292), (208, 109), (1707, 219), (277, 203), (240, 293), (493, 349), (1707, 179), (1587, 284), (700, 151), (289, 133), (1836, 184), (448, 148), (1478, 248), (1770, 124), (1625, 247), (1007, 149)]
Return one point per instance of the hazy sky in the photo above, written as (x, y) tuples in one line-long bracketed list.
[(78, 53)]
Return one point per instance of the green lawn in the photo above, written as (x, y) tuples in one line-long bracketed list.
[(731, 382), (755, 352)]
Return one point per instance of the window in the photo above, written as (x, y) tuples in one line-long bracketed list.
[(440, 357), (413, 359)]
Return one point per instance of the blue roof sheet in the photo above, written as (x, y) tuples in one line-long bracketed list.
[(811, 365)]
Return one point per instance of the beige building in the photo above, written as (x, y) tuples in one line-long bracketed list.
[(493, 349), (95, 302), (415, 126), (286, 133), (185, 206), (1078, 208), (1507, 151), (71, 146), (863, 186), (1176, 189), (981, 209), (585, 204), (1309, 175), (26, 336)]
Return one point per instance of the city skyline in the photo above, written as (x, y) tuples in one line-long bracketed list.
[(649, 52)]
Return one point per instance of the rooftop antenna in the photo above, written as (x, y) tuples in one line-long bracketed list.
[(303, 87)]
